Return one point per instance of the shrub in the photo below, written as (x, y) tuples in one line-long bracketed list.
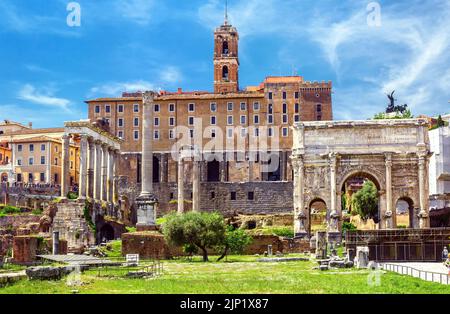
[(287, 232), (9, 210), (72, 195), (37, 212), (235, 242)]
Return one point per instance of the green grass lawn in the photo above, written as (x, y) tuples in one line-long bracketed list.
[(240, 274)]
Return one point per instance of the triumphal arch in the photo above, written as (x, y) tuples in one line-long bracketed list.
[(393, 154)]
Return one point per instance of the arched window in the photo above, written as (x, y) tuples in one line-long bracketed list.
[(225, 73), (225, 48)]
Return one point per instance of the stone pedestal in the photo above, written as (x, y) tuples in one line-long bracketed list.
[(321, 245), (146, 212)]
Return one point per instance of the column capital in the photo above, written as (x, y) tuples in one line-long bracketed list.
[(149, 97)]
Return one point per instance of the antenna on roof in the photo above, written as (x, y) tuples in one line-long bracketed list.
[(226, 12)]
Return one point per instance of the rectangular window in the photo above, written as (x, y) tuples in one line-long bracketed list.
[(213, 107), (42, 160), (191, 132), (56, 161), (296, 118), (190, 120), (284, 95), (270, 119), (319, 108), (171, 107), (156, 121), (156, 108), (270, 95), (31, 148), (243, 120), (171, 134), (213, 120), (42, 177), (270, 132), (120, 122), (296, 95), (230, 120), (270, 108), (285, 132), (107, 108), (136, 121), (230, 132), (243, 106), (284, 107), (256, 106), (256, 119), (297, 108), (30, 161), (42, 147), (136, 135), (251, 196), (120, 134), (120, 108), (97, 109), (213, 133), (285, 119), (256, 133), (230, 106), (156, 135), (233, 196), (171, 121), (136, 108), (19, 162), (191, 107), (243, 132), (19, 147)]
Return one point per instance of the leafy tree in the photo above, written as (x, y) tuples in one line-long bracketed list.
[(235, 242), (348, 226), (365, 201), (204, 230)]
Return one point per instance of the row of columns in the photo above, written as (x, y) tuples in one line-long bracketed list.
[(195, 184), (98, 163)]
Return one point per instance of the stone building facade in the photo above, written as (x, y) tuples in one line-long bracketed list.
[(232, 117), (393, 154)]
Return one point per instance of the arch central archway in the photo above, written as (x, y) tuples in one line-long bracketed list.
[(318, 215), (404, 213)]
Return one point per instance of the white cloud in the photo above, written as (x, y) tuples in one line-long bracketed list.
[(138, 11), (171, 75), (29, 93)]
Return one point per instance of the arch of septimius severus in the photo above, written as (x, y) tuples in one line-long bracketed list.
[(393, 154)]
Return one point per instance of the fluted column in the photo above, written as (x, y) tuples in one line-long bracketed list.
[(196, 186), (115, 178), (180, 184), (423, 197), (104, 181), (110, 176), (334, 214), (83, 167), (300, 216), (90, 171), (65, 171), (388, 215), (97, 170)]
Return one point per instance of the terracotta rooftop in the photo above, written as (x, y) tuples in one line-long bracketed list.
[(283, 79), (37, 139), (37, 131)]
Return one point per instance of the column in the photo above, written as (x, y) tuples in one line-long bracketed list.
[(83, 167), (115, 176), (147, 202), (104, 182), (97, 170), (334, 214), (223, 168), (110, 176), (180, 184), (90, 171), (423, 197), (388, 215), (196, 186), (300, 216), (65, 170)]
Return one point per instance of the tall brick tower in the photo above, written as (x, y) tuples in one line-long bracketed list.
[(226, 61)]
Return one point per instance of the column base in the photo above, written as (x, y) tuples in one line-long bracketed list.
[(143, 227), (146, 210)]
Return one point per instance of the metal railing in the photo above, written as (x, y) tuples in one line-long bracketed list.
[(418, 273)]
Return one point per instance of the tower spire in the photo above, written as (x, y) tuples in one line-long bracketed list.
[(226, 12)]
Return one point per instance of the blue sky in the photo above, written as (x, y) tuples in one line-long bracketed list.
[(48, 69)]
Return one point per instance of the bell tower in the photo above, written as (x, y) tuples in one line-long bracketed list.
[(226, 61)]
